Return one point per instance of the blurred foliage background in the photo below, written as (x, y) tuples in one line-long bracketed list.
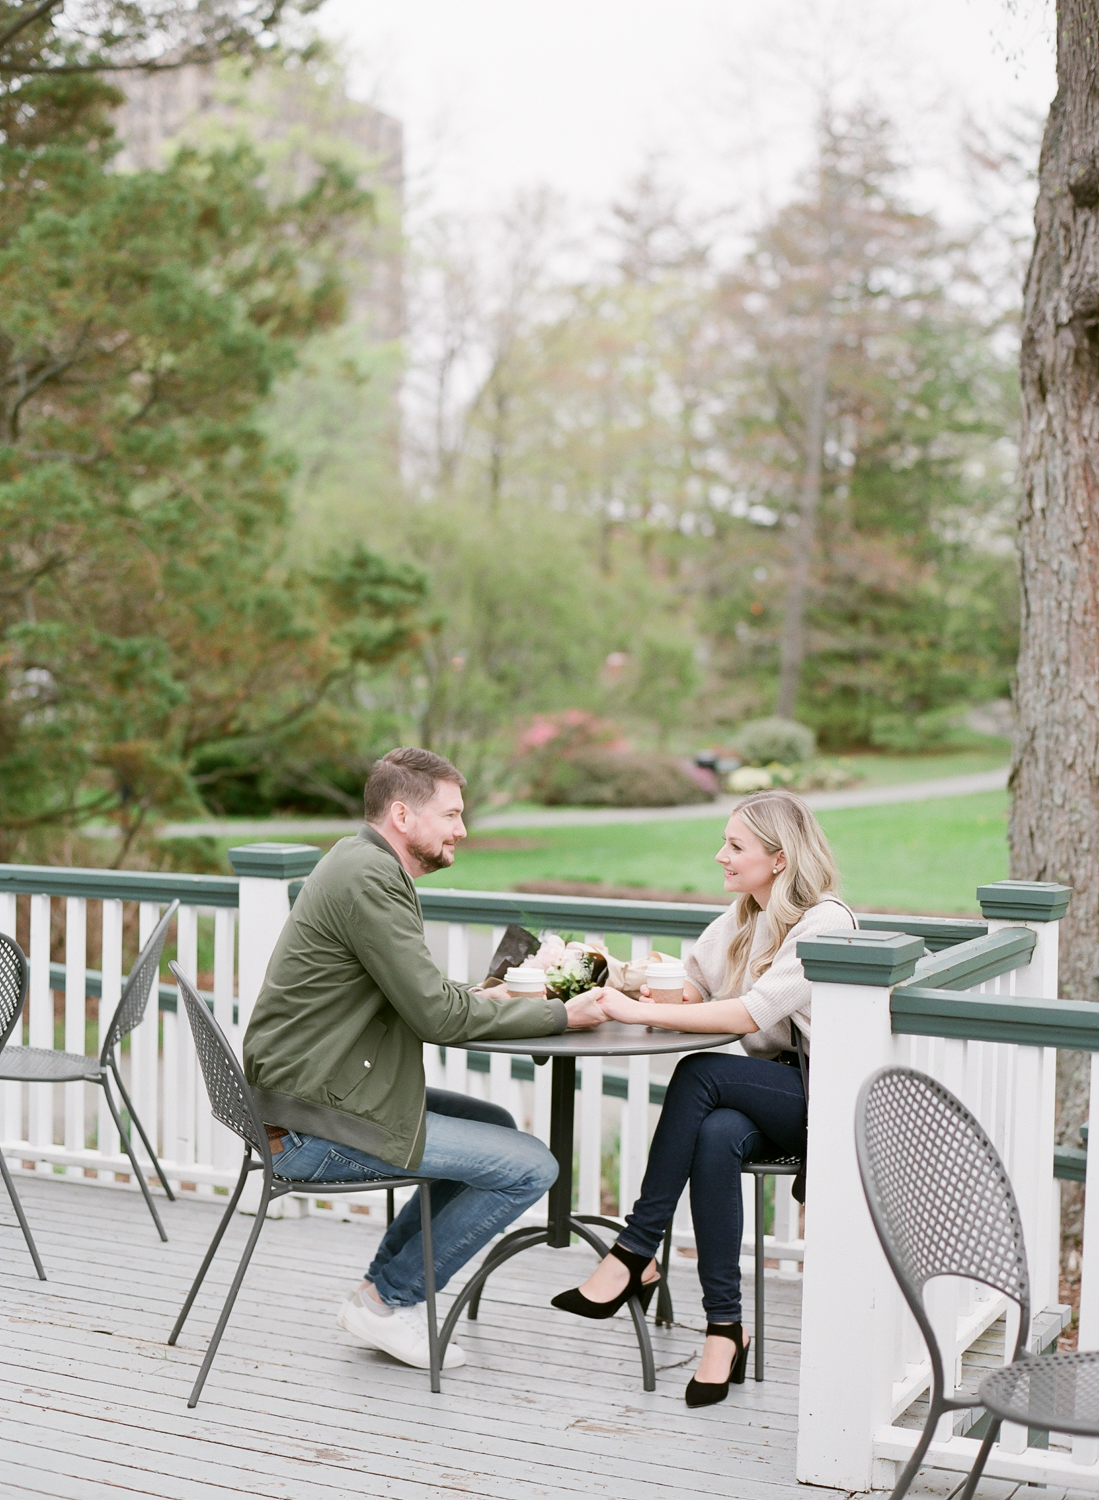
[(289, 475)]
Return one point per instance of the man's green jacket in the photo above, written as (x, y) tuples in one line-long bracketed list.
[(334, 1044)]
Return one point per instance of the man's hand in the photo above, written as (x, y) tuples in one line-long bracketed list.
[(585, 1011)]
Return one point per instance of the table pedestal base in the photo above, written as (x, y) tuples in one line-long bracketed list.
[(525, 1239)]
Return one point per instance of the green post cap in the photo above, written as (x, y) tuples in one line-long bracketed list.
[(274, 861), (879, 958), (1025, 900)]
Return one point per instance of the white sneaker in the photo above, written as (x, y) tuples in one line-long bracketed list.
[(402, 1333)]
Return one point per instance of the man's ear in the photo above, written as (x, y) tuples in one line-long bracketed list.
[(398, 811)]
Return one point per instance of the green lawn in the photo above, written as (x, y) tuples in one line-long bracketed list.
[(920, 856)]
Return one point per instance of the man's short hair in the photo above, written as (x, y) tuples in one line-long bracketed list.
[(409, 776)]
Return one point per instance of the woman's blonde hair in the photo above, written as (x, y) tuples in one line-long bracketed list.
[(783, 824)]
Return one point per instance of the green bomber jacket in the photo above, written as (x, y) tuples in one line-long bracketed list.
[(334, 1044)]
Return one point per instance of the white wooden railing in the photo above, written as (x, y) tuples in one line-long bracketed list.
[(987, 1025), (60, 914)]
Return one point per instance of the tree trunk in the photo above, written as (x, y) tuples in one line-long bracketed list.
[(1054, 829), (803, 538)]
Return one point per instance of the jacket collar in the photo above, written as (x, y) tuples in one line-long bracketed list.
[(374, 837)]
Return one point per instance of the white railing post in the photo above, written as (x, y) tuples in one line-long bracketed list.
[(265, 872), (848, 1311), (1040, 906)]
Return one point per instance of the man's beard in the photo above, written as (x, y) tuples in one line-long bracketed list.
[(432, 859)]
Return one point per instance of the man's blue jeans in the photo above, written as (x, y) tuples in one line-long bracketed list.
[(486, 1172)]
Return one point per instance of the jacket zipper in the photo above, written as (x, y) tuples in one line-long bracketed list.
[(416, 1137)]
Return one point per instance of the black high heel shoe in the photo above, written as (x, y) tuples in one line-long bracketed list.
[(708, 1392), (574, 1301)]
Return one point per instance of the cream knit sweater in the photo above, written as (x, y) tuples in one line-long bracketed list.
[(781, 992)]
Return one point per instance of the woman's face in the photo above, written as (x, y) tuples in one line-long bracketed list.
[(747, 864)]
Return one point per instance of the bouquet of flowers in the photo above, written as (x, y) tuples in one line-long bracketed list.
[(572, 976)]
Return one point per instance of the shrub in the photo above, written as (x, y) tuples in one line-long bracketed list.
[(614, 778), (761, 741)]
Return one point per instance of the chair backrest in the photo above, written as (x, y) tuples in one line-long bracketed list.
[(231, 1099), (15, 978), (139, 986), (938, 1193)]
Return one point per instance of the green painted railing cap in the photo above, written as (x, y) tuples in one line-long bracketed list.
[(1024, 900), (274, 861), (878, 958)]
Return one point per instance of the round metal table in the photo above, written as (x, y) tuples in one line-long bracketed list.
[(612, 1039)]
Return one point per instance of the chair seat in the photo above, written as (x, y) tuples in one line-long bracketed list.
[(1056, 1392), (776, 1166), (41, 1065)]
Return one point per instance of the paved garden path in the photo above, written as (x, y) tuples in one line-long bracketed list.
[(588, 817)]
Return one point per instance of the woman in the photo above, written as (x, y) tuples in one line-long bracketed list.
[(720, 1111)]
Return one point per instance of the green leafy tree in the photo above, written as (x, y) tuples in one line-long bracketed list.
[(149, 606)]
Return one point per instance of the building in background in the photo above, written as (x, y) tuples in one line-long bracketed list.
[(294, 114)]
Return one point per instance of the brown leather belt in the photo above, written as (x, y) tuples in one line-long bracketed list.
[(275, 1134)]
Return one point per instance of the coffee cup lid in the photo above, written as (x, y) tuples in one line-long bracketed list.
[(669, 968), (526, 972)]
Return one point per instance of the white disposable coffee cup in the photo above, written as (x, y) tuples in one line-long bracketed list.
[(665, 981), (525, 980)]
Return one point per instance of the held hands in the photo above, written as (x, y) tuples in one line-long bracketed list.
[(586, 1011), (619, 1007)]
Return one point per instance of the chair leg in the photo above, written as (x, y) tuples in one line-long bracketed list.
[(979, 1462), (665, 1313), (759, 1278), (141, 1132), (230, 1300), (912, 1467), (219, 1233), (428, 1242), (21, 1216), (389, 1207), (128, 1147)]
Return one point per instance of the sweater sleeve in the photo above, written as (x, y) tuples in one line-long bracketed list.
[(783, 988), (384, 928)]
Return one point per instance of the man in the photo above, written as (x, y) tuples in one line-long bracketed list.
[(333, 1052)]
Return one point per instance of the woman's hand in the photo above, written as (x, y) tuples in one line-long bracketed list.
[(620, 1007), (586, 1011)]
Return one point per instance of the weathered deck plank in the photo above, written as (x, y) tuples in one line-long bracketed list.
[(548, 1407)]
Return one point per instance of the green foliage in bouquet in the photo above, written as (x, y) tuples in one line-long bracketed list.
[(572, 977)]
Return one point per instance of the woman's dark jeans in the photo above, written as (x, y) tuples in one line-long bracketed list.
[(719, 1112)]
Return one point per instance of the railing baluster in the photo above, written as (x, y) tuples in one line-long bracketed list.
[(180, 1080), (457, 968), (106, 1134), (40, 1025), (215, 1141), (591, 1135), (76, 962), (635, 1145), (144, 1045), (11, 1094)]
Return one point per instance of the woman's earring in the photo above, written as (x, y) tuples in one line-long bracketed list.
[(775, 870)]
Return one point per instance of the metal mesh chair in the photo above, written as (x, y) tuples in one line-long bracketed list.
[(42, 1065), (942, 1205), (14, 983), (232, 1103)]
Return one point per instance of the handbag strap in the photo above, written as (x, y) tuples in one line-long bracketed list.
[(802, 1062)]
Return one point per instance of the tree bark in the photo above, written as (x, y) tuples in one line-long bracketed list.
[(1054, 830), (803, 538)]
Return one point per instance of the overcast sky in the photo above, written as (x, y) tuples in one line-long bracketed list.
[(498, 96)]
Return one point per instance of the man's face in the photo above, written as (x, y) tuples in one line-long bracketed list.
[(432, 833)]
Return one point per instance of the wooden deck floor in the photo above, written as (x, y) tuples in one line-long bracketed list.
[(548, 1407)]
